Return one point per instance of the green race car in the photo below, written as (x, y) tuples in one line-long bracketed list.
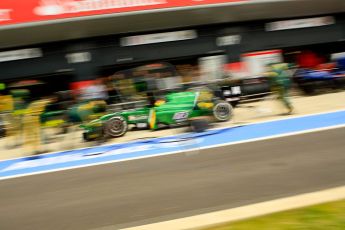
[(174, 109)]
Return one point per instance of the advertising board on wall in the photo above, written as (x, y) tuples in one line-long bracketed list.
[(5, 15), (300, 23), (158, 38), (14, 55), (28, 11)]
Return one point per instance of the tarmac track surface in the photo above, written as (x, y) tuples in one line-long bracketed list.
[(155, 189)]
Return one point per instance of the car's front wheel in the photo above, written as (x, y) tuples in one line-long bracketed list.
[(115, 127), (199, 125), (222, 111)]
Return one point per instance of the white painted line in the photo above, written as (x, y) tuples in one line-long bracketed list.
[(173, 135), (250, 211), (181, 151)]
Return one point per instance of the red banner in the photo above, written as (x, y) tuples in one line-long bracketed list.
[(13, 12)]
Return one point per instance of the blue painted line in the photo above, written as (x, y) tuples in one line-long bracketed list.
[(165, 145)]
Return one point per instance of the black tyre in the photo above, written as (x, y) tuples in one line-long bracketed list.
[(199, 125), (115, 127), (308, 89), (222, 111), (234, 104), (2, 132), (87, 138)]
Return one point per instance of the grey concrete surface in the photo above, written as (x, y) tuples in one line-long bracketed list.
[(150, 190)]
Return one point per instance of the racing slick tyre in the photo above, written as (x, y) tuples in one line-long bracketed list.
[(115, 127), (222, 111), (308, 88), (94, 136), (86, 137), (234, 104), (199, 125)]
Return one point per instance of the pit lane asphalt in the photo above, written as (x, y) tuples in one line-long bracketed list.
[(150, 190)]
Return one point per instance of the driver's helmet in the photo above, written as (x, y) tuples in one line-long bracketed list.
[(205, 95), (160, 102), (205, 99)]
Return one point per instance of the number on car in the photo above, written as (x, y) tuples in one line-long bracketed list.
[(180, 116)]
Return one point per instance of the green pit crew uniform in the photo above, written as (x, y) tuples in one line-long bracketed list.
[(280, 83)]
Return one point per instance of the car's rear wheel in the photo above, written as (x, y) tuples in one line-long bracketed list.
[(115, 127), (308, 88), (234, 103), (87, 137), (199, 125), (222, 111)]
